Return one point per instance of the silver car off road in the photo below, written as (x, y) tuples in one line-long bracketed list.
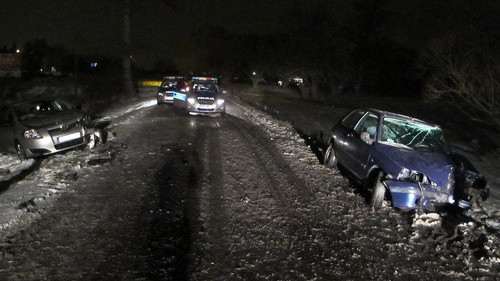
[(42, 127)]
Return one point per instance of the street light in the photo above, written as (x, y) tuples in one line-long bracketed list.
[(18, 51), (254, 73)]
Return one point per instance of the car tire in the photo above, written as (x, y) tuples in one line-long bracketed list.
[(20, 152), (378, 192), (330, 159)]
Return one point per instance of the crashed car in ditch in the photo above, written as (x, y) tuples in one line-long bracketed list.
[(404, 161), (202, 97), (43, 127), (169, 86)]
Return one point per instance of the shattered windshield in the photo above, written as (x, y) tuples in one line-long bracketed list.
[(414, 135), (28, 110)]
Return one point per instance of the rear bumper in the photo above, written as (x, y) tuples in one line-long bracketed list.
[(410, 195), (164, 98)]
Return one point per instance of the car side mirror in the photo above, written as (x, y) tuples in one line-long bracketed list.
[(366, 138)]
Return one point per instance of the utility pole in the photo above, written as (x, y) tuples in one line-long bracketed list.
[(127, 53)]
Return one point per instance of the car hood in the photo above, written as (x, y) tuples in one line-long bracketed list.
[(167, 88), (439, 167), (53, 119), (207, 94)]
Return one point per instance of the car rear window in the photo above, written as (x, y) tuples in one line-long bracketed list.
[(352, 119), (169, 83)]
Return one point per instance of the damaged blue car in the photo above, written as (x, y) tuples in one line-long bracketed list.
[(403, 161)]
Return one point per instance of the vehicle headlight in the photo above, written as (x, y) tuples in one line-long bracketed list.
[(219, 102), (404, 174), (414, 176), (160, 94), (191, 100), (85, 120), (32, 134)]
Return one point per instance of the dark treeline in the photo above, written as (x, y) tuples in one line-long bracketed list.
[(434, 49)]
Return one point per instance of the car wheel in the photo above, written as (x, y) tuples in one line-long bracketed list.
[(20, 152), (330, 159), (378, 192)]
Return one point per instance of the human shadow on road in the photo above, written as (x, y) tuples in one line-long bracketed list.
[(175, 213)]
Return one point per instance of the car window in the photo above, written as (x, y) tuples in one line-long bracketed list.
[(352, 119), (210, 87), (169, 84), (369, 125)]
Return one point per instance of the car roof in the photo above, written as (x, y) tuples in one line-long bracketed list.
[(204, 79), (383, 113)]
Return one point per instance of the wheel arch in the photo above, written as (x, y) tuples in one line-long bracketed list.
[(372, 175)]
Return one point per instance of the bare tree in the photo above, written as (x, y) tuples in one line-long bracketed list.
[(465, 71)]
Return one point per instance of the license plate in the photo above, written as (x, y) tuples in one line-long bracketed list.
[(69, 137), (206, 106)]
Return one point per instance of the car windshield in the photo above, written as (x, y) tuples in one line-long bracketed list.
[(210, 87), (412, 134), (28, 110)]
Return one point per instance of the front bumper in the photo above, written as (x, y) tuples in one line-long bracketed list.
[(407, 195), (55, 142), (206, 108)]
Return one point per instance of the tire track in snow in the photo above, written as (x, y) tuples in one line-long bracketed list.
[(294, 200), (212, 258)]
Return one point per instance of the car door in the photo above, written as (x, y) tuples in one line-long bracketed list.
[(341, 133), (357, 151), (6, 130)]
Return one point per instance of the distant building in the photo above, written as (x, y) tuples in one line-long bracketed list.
[(10, 65)]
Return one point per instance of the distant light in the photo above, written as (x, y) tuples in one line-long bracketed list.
[(41, 69), (254, 73), (93, 64), (280, 83), (18, 51), (53, 69)]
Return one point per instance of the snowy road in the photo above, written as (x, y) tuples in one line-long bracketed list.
[(197, 198)]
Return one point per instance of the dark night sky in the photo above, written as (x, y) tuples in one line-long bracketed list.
[(95, 26)]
